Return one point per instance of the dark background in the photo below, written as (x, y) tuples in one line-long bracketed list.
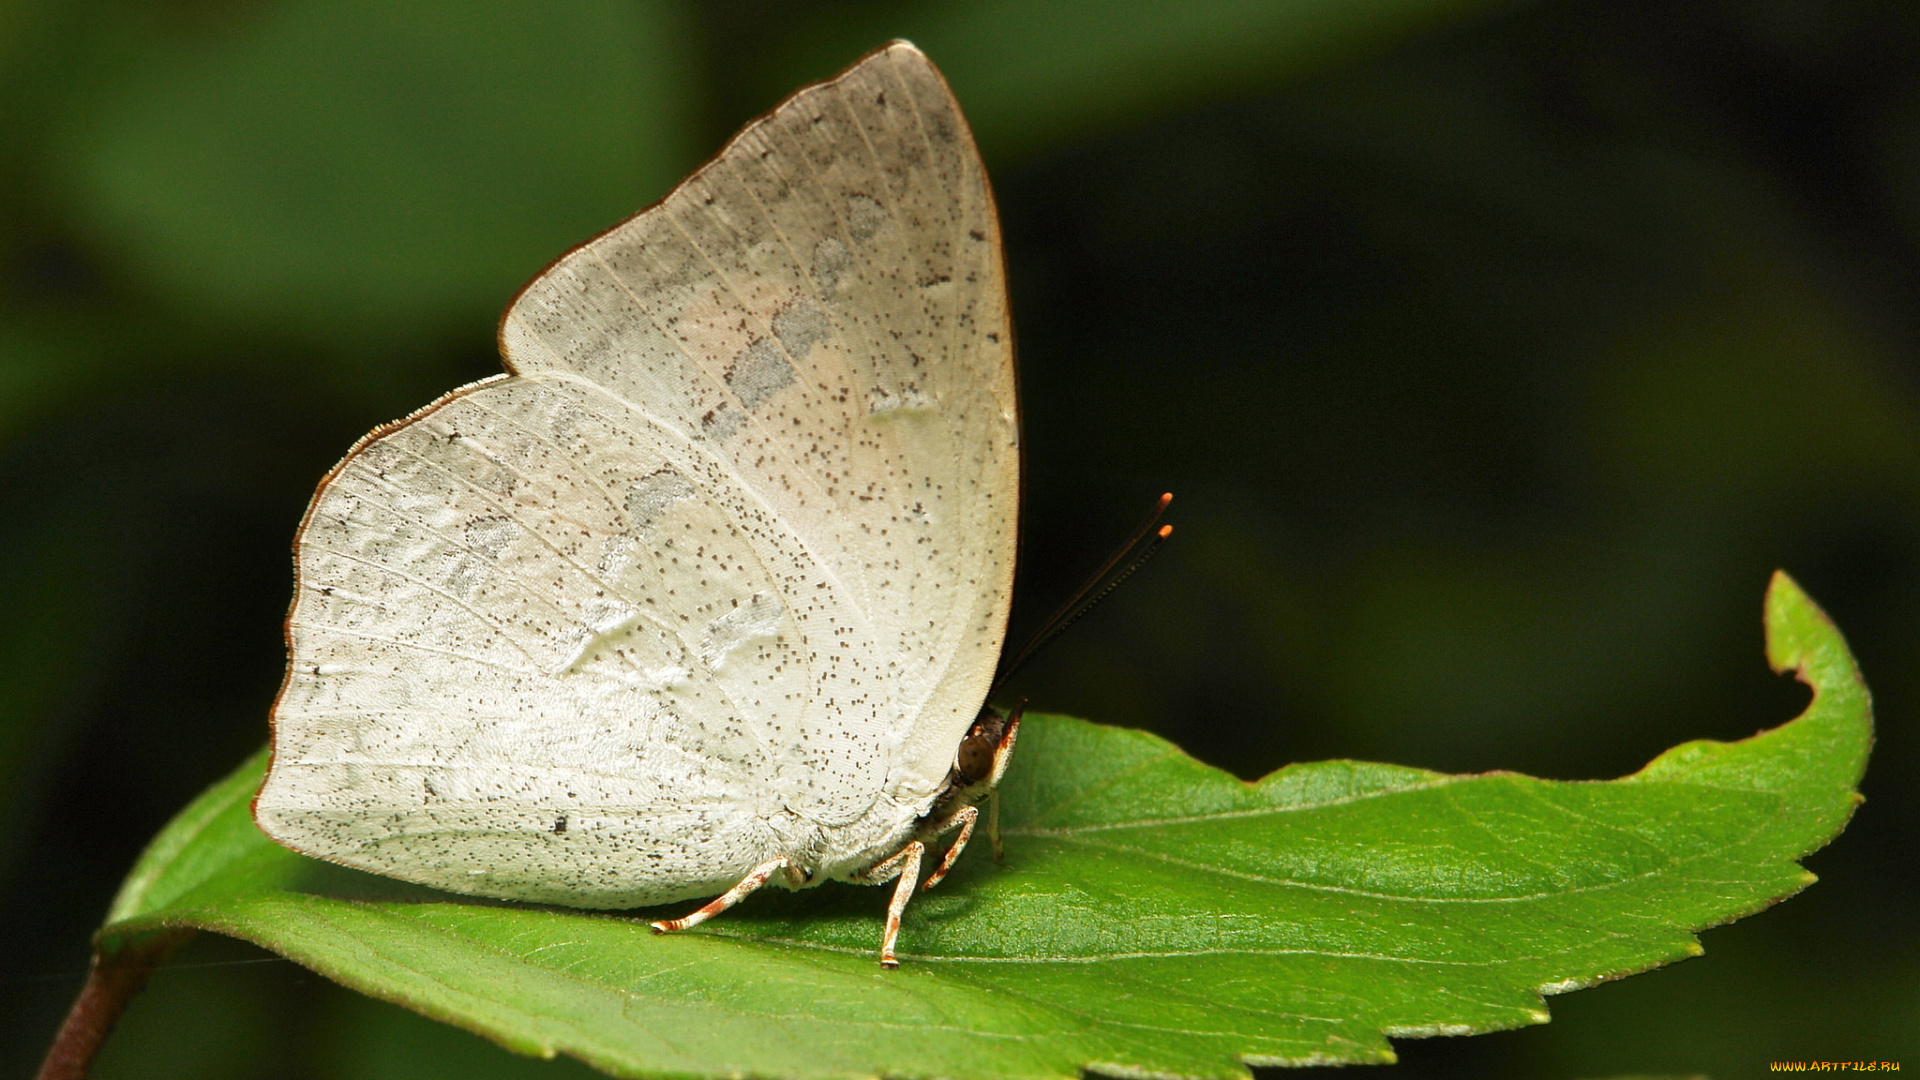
[(1496, 352)]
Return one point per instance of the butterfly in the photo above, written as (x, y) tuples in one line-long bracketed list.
[(709, 588)]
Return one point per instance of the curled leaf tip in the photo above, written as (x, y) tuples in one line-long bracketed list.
[(1796, 627)]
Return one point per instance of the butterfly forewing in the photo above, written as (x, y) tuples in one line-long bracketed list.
[(720, 573)]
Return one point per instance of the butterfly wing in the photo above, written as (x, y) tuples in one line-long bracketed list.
[(719, 572)]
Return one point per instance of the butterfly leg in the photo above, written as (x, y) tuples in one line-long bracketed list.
[(964, 818), (993, 826), (755, 878), (904, 867), (909, 877)]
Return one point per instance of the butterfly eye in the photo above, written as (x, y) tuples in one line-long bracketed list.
[(974, 762), (981, 755)]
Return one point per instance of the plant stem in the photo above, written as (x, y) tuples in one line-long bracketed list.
[(111, 984)]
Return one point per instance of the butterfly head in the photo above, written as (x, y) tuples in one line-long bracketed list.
[(980, 761)]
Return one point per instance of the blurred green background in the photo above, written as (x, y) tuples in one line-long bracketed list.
[(1496, 352)]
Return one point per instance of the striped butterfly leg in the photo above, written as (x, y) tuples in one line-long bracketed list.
[(755, 878), (993, 827), (965, 819), (903, 868)]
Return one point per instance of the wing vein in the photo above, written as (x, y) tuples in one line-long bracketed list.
[(478, 615), (367, 635), (487, 497)]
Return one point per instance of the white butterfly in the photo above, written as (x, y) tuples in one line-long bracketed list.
[(712, 585)]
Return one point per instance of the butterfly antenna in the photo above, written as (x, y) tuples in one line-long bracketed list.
[(1129, 557)]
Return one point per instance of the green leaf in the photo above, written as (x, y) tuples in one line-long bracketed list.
[(1154, 915)]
